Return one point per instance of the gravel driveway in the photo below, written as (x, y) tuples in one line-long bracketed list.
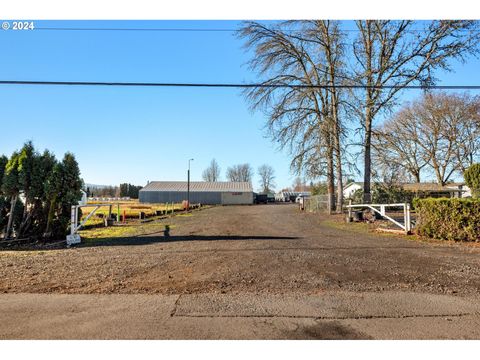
[(264, 252)]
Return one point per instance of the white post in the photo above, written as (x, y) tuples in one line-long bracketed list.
[(409, 221), (405, 217), (73, 238), (382, 210), (76, 217), (73, 220)]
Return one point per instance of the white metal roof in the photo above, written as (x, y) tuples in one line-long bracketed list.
[(220, 186)]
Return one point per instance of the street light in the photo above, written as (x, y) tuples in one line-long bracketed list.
[(188, 185)]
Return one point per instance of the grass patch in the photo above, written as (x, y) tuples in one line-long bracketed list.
[(353, 226), (112, 233), (358, 227), (133, 228), (131, 209)]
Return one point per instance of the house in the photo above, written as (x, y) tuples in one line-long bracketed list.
[(422, 190), (457, 190), (350, 189)]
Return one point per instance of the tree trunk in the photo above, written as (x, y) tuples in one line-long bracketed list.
[(339, 202), (367, 197), (417, 176), (438, 172), (26, 220), (10, 217), (330, 179), (51, 214), (332, 67)]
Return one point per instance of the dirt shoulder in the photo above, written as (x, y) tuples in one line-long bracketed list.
[(268, 249)]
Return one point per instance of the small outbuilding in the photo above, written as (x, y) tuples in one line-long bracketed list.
[(203, 192)]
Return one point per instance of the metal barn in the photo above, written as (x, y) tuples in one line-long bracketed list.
[(211, 193)]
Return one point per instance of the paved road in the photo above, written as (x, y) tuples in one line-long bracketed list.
[(333, 315), (244, 273)]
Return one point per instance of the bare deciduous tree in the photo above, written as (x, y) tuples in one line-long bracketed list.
[(391, 55), (267, 177), (305, 62), (303, 114), (450, 132), (397, 147), (439, 131), (212, 173), (299, 184), (240, 173)]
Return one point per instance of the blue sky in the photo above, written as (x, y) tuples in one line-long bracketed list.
[(139, 134)]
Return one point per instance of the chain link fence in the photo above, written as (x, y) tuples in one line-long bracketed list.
[(316, 203)]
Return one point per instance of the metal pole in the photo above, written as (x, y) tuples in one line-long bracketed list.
[(188, 186)]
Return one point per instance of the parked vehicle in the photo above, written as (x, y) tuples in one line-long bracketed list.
[(261, 199)]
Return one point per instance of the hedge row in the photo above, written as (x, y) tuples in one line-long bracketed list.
[(448, 219)]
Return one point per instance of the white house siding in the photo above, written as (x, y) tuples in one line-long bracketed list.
[(350, 189)]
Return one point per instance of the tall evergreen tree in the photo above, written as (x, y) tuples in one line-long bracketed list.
[(27, 182), (64, 190), (11, 188), (4, 203)]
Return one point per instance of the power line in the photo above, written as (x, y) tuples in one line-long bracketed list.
[(195, 29), (137, 29), (233, 85)]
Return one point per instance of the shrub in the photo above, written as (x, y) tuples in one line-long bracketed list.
[(384, 194), (448, 219), (472, 179)]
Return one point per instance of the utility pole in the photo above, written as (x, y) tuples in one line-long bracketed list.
[(188, 185)]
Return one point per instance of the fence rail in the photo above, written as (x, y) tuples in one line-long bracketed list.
[(380, 209)]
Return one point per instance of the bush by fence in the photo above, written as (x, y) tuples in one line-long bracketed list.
[(384, 194), (448, 219)]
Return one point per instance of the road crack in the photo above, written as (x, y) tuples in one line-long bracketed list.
[(324, 317), (173, 312)]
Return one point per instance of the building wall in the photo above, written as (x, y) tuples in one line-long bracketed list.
[(203, 197), (237, 198)]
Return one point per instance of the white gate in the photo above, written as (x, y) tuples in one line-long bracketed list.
[(74, 237), (380, 209)]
